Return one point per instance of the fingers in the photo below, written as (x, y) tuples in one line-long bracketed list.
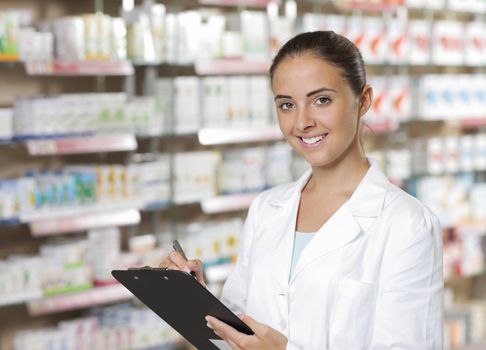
[(228, 333), (196, 266), (255, 326), (175, 261)]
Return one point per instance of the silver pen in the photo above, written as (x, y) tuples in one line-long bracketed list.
[(178, 248)]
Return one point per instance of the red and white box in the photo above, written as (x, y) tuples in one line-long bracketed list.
[(400, 98), (397, 41), (475, 44), (379, 110), (448, 43), (374, 45), (419, 42), (356, 32)]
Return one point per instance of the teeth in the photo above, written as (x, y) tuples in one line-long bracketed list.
[(312, 140)]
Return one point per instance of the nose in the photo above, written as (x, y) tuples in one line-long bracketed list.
[(304, 121)]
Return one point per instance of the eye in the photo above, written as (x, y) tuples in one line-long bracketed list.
[(323, 100), (285, 106)]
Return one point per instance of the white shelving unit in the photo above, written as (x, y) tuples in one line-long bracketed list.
[(61, 68), (128, 213), (84, 221), (82, 144), (80, 300), (220, 136), (227, 203)]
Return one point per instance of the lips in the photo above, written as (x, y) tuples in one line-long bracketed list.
[(313, 141)]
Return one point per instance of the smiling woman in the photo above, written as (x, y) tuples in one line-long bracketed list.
[(341, 259)]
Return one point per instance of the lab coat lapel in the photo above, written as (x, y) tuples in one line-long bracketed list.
[(353, 218), (281, 226), (339, 230)]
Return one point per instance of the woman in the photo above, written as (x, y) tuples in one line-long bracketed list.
[(341, 258)]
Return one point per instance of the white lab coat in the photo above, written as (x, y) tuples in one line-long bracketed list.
[(371, 278)]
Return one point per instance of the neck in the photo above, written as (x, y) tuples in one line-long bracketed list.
[(342, 176)]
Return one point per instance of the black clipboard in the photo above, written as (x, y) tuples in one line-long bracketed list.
[(181, 301)]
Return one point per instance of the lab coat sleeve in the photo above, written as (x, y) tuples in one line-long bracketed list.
[(236, 285), (409, 310)]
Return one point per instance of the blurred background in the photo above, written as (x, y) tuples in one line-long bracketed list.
[(126, 124)]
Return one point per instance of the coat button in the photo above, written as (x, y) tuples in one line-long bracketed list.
[(291, 297)]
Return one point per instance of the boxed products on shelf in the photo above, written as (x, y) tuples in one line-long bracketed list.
[(448, 43), (448, 155), (242, 171), (392, 99), (151, 179), (195, 175), (464, 322), (65, 267), (70, 265), (463, 253), (34, 45), (402, 41), (72, 114), (420, 41), (450, 96), (473, 6), (11, 24), (6, 124), (19, 279), (10, 199), (178, 38), (255, 31), (214, 242), (278, 164), (104, 253), (450, 198), (87, 37), (254, 169), (117, 328), (224, 101), (187, 102)]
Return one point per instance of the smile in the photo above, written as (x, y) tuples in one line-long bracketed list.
[(312, 141)]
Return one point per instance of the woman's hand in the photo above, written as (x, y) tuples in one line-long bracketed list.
[(265, 337), (175, 261)]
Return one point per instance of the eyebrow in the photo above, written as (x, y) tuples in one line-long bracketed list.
[(308, 94)]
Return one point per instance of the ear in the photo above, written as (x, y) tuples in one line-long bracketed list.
[(365, 100)]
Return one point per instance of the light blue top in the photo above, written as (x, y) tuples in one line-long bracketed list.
[(300, 242)]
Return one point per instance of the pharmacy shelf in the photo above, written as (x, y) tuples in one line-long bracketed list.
[(472, 123), (232, 66), (249, 3), (219, 136), (365, 5), (75, 301), (82, 144), (61, 68), (155, 206), (9, 58), (84, 222), (19, 298), (382, 127), (11, 221), (82, 211), (227, 203)]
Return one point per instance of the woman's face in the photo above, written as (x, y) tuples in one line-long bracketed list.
[(318, 112)]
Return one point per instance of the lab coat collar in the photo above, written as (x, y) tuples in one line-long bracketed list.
[(366, 201)]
